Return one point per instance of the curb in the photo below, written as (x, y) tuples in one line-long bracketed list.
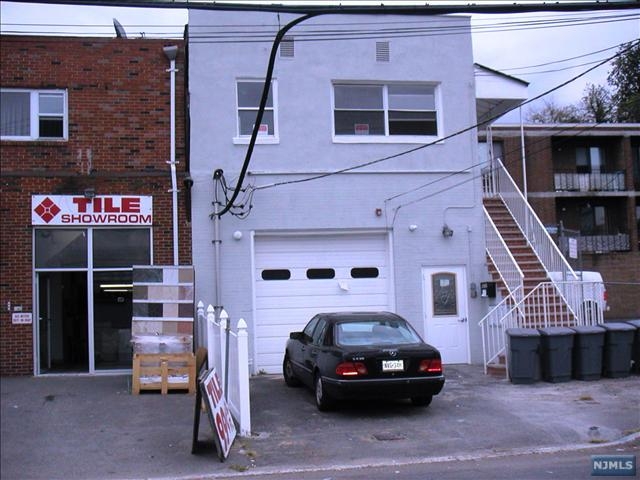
[(411, 461)]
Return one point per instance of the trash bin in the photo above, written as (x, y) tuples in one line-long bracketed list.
[(635, 353), (556, 346), (587, 352), (618, 340), (522, 349)]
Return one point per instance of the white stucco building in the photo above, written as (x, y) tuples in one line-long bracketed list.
[(363, 191)]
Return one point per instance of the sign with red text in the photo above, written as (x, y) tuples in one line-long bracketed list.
[(103, 210), (219, 413)]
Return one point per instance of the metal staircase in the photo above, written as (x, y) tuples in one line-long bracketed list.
[(537, 285)]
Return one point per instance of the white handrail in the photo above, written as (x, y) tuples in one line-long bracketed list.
[(501, 256), (494, 325), (549, 304), (541, 242)]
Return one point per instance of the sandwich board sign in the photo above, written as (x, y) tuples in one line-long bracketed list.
[(224, 430)]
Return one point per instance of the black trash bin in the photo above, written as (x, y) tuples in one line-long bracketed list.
[(587, 352), (618, 341), (523, 346), (556, 346), (635, 353)]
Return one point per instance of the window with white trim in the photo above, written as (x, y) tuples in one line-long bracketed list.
[(249, 93), (33, 114), (385, 110)]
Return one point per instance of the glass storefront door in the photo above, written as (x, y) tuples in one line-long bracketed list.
[(84, 297), (62, 322)]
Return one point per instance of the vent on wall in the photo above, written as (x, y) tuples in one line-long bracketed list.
[(287, 47), (382, 51)]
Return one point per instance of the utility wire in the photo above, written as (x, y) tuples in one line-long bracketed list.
[(247, 33), (452, 135), (475, 177)]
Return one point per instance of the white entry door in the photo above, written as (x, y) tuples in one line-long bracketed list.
[(446, 313)]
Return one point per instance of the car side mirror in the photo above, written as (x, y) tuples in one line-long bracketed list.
[(300, 336)]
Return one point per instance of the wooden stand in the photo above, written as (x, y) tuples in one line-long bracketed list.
[(161, 367)]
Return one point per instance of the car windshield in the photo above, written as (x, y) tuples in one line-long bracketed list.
[(375, 332)]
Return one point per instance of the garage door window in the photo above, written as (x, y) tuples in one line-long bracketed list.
[(281, 274), (320, 273), (365, 272)]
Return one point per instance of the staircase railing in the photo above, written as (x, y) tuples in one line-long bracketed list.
[(494, 325), (536, 234), (543, 307), (562, 301), (501, 256)]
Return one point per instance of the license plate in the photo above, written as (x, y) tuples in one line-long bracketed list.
[(392, 365)]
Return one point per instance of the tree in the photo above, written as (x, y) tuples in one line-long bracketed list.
[(553, 113), (597, 104), (625, 79)]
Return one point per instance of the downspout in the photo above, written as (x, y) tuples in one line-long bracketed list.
[(171, 52)]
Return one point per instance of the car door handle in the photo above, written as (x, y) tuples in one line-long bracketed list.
[(462, 320)]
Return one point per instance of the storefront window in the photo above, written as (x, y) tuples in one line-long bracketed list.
[(61, 248), (121, 247), (112, 310)]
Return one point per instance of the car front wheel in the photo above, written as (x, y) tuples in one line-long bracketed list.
[(323, 401), (422, 401), (287, 371)]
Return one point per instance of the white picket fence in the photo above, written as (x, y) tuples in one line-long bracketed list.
[(228, 352)]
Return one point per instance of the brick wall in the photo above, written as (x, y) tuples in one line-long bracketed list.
[(544, 152), (119, 143), (621, 276)]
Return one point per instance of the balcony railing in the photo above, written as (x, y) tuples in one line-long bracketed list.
[(589, 182), (600, 243)]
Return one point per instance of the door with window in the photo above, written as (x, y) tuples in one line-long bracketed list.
[(446, 313), (84, 296)]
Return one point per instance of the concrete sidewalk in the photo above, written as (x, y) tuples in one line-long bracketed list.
[(93, 428)]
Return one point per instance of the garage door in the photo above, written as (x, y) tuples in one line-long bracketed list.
[(299, 276)]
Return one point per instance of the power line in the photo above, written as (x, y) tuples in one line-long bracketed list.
[(426, 197), (452, 135), (244, 33)]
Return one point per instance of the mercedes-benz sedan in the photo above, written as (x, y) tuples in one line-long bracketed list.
[(362, 355)]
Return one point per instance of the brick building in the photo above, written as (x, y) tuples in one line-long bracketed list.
[(86, 193), (583, 182)]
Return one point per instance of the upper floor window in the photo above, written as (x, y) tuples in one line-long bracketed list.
[(589, 159), (381, 112), (249, 93), (33, 114)]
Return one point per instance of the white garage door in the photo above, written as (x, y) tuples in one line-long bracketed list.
[(300, 276)]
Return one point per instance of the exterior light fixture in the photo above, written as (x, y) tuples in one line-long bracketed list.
[(413, 227), (447, 232), (89, 193)]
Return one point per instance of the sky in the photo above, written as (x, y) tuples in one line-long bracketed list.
[(544, 48)]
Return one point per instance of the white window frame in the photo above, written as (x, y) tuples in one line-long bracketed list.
[(386, 138), (260, 139), (34, 106)]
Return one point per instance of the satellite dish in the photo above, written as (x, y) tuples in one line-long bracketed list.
[(120, 33)]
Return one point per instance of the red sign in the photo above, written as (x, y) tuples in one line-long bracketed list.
[(219, 413), (100, 210)]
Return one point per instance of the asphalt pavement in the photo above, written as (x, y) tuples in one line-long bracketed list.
[(91, 427)]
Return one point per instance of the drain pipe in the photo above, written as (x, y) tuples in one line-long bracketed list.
[(171, 53)]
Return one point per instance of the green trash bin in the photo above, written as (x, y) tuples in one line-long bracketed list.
[(556, 346), (588, 342), (523, 346), (618, 341), (635, 352)]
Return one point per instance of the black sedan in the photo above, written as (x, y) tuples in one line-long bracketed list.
[(364, 355)]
